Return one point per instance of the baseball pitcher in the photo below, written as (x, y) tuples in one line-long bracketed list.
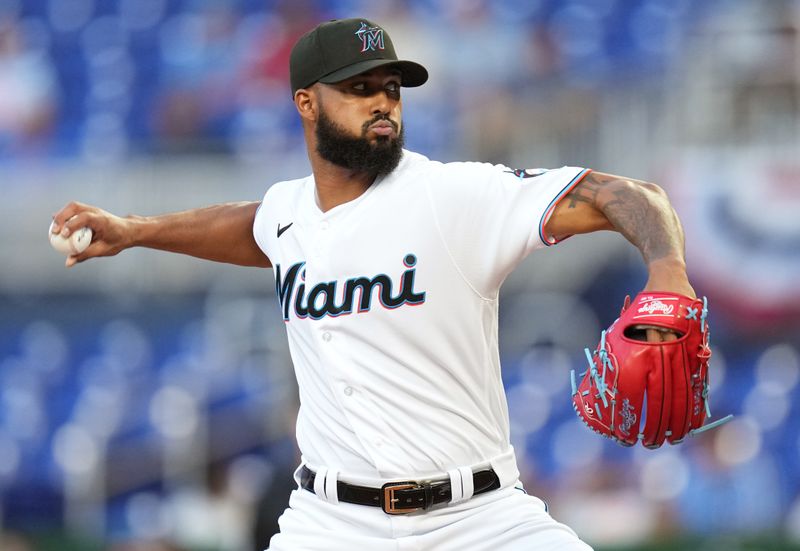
[(387, 268)]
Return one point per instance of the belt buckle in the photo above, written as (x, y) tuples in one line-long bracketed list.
[(389, 501)]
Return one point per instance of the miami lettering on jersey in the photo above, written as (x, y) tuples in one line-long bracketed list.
[(321, 299)]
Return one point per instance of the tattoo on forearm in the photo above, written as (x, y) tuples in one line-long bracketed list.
[(645, 218), (586, 192)]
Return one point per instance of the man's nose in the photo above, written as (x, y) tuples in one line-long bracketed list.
[(382, 103)]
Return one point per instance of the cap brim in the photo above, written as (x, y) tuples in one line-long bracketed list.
[(411, 74)]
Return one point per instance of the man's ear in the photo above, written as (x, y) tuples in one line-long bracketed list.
[(305, 100)]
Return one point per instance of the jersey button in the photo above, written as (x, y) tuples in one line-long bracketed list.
[(327, 336), (324, 225), (348, 391)]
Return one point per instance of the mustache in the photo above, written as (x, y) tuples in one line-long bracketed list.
[(378, 118)]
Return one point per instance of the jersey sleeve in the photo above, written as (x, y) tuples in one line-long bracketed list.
[(261, 225), (491, 216)]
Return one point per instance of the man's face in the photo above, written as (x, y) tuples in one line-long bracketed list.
[(359, 125)]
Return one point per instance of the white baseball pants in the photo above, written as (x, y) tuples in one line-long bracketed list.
[(501, 520)]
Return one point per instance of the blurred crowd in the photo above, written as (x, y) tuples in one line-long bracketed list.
[(162, 421), (103, 80)]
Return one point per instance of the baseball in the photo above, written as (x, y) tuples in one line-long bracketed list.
[(76, 243)]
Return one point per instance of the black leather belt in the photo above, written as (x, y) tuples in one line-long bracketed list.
[(397, 498)]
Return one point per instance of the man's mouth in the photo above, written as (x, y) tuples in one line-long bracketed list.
[(383, 128)]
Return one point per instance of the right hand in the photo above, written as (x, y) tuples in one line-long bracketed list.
[(111, 234)]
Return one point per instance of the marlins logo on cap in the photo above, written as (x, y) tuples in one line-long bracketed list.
[(371, 37)]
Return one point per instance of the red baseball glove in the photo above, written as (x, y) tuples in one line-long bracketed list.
[(649, 391)]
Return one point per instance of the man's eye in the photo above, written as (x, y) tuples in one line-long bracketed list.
[(360, 86), (393, 86)]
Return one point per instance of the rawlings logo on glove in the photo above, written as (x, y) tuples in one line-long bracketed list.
[(652, 306), (637, 389)]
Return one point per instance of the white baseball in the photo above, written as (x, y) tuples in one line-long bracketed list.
[(76, 243)]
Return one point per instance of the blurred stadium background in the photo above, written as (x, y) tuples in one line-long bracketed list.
[(147, 402)]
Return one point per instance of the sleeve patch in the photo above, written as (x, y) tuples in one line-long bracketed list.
[(523, 173)]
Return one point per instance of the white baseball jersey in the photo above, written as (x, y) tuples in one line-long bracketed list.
[(390, 303)]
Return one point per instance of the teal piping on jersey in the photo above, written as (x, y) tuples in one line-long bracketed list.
[(549, 212)]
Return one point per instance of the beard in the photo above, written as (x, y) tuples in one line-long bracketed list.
[(336, 145)]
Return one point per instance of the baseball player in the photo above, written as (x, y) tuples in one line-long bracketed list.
[(387, 269)]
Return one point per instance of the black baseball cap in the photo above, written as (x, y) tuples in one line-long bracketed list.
[(342, 48)]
